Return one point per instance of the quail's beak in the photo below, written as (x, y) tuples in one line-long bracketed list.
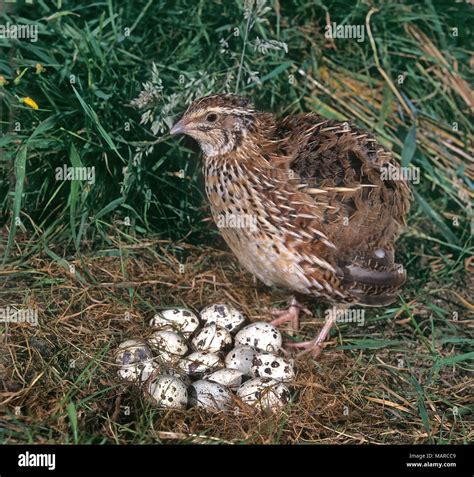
[(179, 128)]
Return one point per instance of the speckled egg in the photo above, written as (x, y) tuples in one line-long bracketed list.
[(241, 358), (182, 320), (224, 316), (176, 373), (136, 361), (168, 392), (169, 345), (209, 396), (261, 336), (264, 393), (230, 378), (267, 365), (212, 339), (200, 362)]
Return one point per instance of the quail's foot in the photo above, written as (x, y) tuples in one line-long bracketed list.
[(314, 347), (290, 314)]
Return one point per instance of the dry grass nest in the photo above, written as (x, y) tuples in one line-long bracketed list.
[(61, 371)]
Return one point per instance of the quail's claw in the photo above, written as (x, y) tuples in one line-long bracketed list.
[(290, 314), (315, 346), (309, 347)]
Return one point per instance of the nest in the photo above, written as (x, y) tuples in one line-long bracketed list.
[(58, 379)]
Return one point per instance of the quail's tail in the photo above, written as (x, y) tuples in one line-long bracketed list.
[(373, 278)]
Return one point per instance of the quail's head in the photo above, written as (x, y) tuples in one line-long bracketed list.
[(219, 123)]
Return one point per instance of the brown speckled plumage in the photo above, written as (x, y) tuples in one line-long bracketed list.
[(317, 216)]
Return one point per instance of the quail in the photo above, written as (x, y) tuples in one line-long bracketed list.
[(304, 202)]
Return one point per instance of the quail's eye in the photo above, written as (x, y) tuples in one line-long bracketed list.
[(211, 118)]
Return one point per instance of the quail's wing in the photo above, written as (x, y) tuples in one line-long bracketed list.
[(363, 201)]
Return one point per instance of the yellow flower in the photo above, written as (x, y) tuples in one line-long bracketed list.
[(3, 81), (29, 102), (39, 68)]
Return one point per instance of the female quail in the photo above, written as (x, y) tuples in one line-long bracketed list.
[(303, 202)]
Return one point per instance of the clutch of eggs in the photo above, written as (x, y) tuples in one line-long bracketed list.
[(211, 361)]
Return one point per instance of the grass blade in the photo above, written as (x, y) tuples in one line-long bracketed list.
[(20, 168), (409, 146), (72, 413)]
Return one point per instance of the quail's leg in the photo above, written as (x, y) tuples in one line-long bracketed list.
[(290, 314), (316, 346)]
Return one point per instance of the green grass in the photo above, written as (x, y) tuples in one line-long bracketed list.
[(97, 58)]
